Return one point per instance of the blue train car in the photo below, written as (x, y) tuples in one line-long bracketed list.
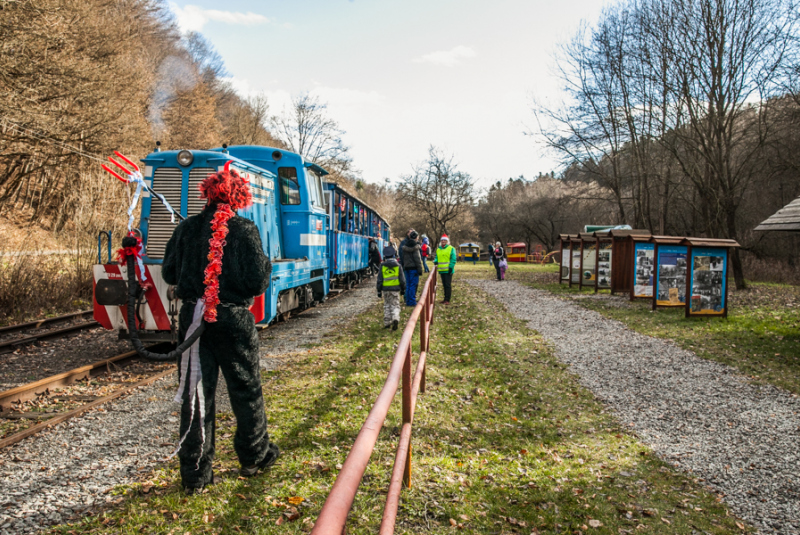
[(353, 223), (293, 210)]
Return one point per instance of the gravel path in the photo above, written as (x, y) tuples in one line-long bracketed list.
[(54, 476), (700, 416)]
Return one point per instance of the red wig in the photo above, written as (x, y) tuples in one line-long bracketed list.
[(226, 187)]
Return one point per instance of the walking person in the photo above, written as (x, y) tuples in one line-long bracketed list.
[(499, 254), (446, 265), (234, 269), (491, 255), (425, 250), (391, 281), (412, 265)]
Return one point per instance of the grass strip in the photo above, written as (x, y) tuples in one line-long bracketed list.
[(760, 337), (505, 441)]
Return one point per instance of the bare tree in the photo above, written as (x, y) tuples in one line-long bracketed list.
[(308, 130), (438, 190)]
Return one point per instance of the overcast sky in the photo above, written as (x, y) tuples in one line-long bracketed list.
[(399, 76)]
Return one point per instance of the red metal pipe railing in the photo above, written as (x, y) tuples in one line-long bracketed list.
[(333, 517)]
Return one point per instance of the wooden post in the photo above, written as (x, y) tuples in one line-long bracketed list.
[(655, 273), (689, 277), (407, 411)]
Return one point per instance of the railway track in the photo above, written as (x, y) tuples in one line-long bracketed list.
[(7, 346), (56, 399)]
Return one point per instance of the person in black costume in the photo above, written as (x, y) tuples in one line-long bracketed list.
[(229, 344)]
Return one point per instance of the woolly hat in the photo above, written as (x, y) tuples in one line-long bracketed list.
[(425, 240), (445, 238), (413, 235), (389, 252)]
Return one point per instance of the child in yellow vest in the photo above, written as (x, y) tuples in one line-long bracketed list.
[(391, 285)]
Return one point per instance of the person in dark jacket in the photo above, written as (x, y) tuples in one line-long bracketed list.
[(391, 282), (403, 242), (229, 342), (498, 255), (491, 254), (412, 265), (374, 256)]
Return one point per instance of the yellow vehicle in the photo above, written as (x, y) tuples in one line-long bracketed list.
[(516, 252), (469, 252)]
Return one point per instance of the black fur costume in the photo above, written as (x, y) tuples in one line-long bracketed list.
[(230, 344)]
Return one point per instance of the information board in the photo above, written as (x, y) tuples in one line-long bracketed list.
[(575, 273), (709, 265), (589, 260), (671, 280), (643, 270), (604, 252), (565, 260)]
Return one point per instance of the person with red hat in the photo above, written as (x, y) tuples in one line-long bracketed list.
[(445, 261), (216, 262)]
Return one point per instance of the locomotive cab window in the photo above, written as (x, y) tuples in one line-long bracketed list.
[(290, 188), (315, 185)]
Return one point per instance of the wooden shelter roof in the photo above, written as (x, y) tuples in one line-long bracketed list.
[(786, 219), (667, 240), (711, 242), (622, 232)]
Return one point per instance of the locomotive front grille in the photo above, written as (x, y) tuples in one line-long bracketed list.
[(197, 175), (168, 182)]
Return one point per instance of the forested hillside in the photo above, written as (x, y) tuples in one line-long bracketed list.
[(79, 79)]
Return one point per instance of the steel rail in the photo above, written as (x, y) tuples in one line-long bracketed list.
[(57, 333), (39, 323), (32, 390), (333, 516), (13, 439)]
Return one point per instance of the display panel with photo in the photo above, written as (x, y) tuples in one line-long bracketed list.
[(708, 281), (604, 265), (565, 260), (589, 260), (643, 270), (576, 265), (671, 279)]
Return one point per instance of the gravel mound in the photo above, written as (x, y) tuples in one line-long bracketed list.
[(54, 476), (700, 416)]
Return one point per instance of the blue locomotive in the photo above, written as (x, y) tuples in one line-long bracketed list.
[(314, 231)]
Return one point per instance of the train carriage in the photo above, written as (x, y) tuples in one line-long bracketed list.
[(353, 222), (292, 209)]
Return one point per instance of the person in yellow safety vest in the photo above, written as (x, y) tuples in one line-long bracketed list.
[(446, 264), (391, 285)]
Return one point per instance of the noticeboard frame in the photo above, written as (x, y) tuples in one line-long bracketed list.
[(712, 247), (587, 239), (599, 241), (647, 244), (662, 242)]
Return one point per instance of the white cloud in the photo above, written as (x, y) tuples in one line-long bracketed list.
[(447, 58), (193, 18)]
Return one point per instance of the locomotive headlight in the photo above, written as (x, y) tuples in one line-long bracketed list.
[(185, 158)]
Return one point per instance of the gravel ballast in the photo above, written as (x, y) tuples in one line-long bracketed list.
[(702, 417), (54, 476)]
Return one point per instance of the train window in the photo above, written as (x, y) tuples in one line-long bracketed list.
[(290, 188), (315, 184)]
